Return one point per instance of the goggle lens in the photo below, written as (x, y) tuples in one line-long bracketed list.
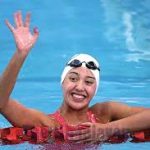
[(77, 63)]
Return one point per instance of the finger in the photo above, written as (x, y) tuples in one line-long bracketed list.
[(88, 124), (27, 20), (35, 34), (79, 132), (9, 26), (79, 137), (16, 19), (94, 142), (102, 138), (19, 16), (87, 141)]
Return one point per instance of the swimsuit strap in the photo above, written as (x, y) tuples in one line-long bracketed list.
[(91, 116), (57, 115)]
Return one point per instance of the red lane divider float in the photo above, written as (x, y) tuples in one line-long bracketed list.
[(15, 135)]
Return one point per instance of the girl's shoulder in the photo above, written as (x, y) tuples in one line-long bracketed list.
[(101, 111)]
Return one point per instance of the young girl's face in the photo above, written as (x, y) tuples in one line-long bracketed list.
[(79, 87)]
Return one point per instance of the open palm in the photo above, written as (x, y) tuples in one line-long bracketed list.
[(23, 37)]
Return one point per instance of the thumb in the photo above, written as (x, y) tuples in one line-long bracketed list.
[(88, 124), (9, 26), (35, 34)]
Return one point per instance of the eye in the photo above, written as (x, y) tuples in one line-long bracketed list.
[(89, 81), (73, 78)]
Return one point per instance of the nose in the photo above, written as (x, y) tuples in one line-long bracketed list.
[(80, 86)]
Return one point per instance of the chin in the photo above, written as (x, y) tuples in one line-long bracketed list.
[(78, 106)]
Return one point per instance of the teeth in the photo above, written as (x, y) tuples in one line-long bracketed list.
[(78, 96)]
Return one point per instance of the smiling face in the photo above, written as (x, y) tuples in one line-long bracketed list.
[(79, 87)]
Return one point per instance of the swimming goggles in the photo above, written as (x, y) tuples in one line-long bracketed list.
[(77, 63)]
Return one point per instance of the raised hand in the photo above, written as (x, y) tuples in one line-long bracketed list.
[(23, 37)]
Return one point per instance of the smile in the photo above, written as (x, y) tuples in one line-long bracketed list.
[(78, 97)]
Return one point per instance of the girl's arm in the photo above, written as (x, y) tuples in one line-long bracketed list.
[(24, 42), (128, 118), (16, 113)]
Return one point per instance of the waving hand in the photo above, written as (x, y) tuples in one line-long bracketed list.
[(23, 37)]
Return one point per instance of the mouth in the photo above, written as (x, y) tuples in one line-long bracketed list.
[(78, 97)]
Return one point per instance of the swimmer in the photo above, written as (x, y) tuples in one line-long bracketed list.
[(80, 81)]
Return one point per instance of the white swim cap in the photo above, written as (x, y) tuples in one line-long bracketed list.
[(86, 59)]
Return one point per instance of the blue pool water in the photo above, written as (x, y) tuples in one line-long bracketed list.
[(116, 32)]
